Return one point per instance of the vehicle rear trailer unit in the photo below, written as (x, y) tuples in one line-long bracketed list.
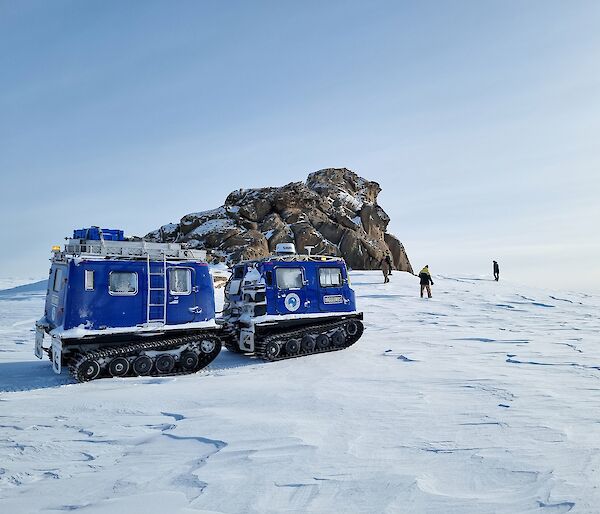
[(120, 308)]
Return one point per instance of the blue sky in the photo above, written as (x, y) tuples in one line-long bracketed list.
[(480, 120)]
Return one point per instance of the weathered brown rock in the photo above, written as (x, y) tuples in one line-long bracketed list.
[(251, 204), (249, 245), (335, 211), (399, 256)]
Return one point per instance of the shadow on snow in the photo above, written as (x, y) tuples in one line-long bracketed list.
[(28, 375), (34, 374)]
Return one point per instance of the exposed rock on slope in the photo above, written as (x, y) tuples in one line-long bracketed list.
[(335, 211)]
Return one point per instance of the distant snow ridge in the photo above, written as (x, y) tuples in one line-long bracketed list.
[(335, 211)]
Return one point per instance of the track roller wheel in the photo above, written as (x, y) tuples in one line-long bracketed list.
[(164, 363), (323, 342), (338, 338), (207, 346), (352, 328), (142, 365), (189, 360), (118, 367), (88, 370), (292, 346), (308, 343), (272, 350)]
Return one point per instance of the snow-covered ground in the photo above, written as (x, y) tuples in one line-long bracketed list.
[(10, 282), (484, 399)]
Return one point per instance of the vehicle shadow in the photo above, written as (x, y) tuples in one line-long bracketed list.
[(28, 375), (228, 360), (35, 374)]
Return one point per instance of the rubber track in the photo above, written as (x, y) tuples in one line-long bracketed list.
[(315, 330), (134, 349)]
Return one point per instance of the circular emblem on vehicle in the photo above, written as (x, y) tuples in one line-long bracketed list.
[(292, 302)]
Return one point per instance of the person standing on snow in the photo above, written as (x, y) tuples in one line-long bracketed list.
[(496, 271), (385, 268), (388, 259), (425, 278)]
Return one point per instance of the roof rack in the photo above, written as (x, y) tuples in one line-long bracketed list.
[(102, 249)]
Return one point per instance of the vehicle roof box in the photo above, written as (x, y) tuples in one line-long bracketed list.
[(97, 233)]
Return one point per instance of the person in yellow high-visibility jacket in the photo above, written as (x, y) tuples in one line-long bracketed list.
[(425, 278)]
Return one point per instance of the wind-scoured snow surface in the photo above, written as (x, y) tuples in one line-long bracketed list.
[(484, 399)]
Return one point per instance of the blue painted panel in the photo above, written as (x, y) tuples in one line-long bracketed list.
[(312, 295), (98, 308)]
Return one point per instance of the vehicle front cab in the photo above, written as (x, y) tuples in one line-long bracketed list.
[(285, 291)]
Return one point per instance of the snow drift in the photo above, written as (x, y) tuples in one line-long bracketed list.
[(483, 399)]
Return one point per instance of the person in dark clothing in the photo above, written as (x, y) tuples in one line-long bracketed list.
[(496, 271), (425, 278), (388, 259), (386, 269)]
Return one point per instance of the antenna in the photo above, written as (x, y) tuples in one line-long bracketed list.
[(285, 249), (308, 249)]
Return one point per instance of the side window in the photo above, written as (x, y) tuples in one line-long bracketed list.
[(289, 278), (123, 283), (89, 280), (57, 285), (330, 277), (238, 272), (180, 281)]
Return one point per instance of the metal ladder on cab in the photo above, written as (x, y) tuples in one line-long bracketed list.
[(156, 310)]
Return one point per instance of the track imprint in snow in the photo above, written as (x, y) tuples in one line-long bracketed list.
[(175, 416), (556, 507), (510, 359), (477, 433), (488, 340)]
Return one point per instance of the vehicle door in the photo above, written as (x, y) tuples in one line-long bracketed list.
[(182, 305), (55, 299), (291, 290), (331, 281)]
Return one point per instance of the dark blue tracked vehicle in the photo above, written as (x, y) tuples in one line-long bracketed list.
[(118, 308), (290, 305)]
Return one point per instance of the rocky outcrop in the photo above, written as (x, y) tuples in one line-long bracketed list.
[(335, 211)]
